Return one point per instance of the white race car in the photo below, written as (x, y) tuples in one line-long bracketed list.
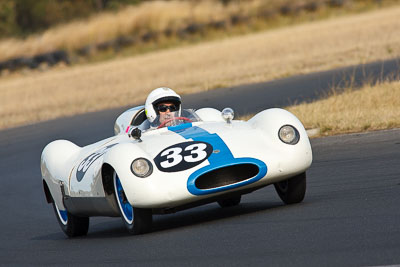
[(199, 157)]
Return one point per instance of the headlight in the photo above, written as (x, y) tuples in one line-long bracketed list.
[(141, 167), (289, 135)]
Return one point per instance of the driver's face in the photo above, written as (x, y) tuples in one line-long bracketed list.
[(165, 112)]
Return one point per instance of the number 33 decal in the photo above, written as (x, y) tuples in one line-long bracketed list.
[(182, 156)]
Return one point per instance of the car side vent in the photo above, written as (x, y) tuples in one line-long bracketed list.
[(226, 175)]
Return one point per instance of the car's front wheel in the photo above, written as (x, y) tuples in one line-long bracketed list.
[(70, 224), (137, 221), (293, 190)]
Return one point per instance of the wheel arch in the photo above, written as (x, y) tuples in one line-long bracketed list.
[(270, 120), (107, 172), (47, 193)]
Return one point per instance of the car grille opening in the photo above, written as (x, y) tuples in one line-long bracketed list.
[(226, 176)]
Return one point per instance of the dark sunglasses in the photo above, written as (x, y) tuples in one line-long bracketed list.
[(164, 108)]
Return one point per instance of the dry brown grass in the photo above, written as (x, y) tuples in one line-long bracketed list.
[(257, 57), (374, 107), (156, 16)]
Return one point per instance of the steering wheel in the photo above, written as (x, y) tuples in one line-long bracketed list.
[(174, 119)]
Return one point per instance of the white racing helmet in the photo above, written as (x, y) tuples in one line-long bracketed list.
[(159, 95)]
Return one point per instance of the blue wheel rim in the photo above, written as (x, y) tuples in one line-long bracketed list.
[(62, 214), (125, 207)]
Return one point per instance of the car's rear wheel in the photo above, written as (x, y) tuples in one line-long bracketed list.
[(70, 224), (229, 202), (136, 220), (293, 190)]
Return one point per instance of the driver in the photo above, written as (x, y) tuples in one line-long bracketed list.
[(162, 105)]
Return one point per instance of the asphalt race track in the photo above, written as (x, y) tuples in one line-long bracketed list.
[(253, 98), (350, 216)]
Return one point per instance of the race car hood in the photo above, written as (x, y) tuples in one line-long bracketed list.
[(204, 148), (220, 136)]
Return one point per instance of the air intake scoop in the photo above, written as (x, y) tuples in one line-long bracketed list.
[(217, 178), (226, 176)]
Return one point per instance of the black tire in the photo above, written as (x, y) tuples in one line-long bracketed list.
[(293, 190), (143, 221), (71, 225), (229, 202), (137, 221)]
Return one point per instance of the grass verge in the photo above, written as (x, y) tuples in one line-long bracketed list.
[(158, 24), (373, 107)]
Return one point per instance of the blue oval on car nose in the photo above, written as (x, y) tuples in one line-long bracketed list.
[(225, 171)]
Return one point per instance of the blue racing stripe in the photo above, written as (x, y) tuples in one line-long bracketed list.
[(221, 157), (221, 153)]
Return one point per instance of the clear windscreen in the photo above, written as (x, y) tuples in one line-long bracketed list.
[(168, 119)]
